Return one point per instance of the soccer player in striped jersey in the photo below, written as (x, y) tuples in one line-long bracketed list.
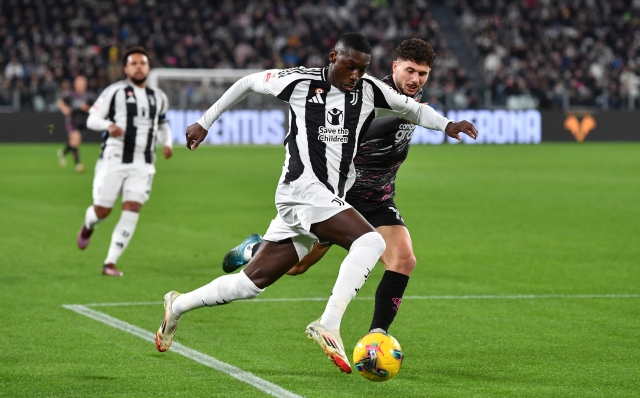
[(132, 116), (384, 148), (329, 108)]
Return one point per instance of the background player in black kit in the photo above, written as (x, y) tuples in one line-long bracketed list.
[(384, 148), (75, 105)]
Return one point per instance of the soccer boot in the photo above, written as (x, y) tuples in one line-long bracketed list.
[(80, 168), (111, 270), (84, 237), (234, 258), (164, 336), (331, 343), (62, 160)]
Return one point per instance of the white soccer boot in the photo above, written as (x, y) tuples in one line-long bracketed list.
[(164, 336), (62, 160), (331, 343)]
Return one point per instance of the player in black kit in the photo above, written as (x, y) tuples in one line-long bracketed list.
[(75, 105), (384, 148)]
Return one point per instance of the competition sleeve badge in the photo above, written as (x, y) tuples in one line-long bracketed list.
[(317, 98)]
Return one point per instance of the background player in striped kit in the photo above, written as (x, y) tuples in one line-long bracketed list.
[(384, 148), (133, 118), (329, 108), (75, 105)]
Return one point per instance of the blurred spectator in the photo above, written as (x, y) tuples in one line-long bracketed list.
[(14, 69), (45, 40)]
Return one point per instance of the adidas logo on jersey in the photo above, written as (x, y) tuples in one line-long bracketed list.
[(317, 99)]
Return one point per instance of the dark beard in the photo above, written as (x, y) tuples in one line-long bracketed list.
[(138, 82)]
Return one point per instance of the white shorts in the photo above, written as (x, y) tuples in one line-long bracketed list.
[(300, 204), (113, 178)]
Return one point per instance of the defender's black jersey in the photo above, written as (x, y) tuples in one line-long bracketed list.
[(379, 157), (75, 100)]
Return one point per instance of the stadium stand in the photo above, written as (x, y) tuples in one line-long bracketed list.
[(46, 43), (560, 52), (557, 53)]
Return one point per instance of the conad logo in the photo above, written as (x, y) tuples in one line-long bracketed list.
[(580, 129)]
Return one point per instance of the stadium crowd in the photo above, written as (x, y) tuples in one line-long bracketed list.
[(583, 51), (46, 43)]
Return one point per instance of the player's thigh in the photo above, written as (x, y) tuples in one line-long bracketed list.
[(271, 262), (343, 228), (107, 184), (137, 186), (75, 138), (398, 256)]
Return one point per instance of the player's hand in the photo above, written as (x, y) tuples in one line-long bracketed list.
[(115, 131), (453, 128), (168, 152), (195, 135)]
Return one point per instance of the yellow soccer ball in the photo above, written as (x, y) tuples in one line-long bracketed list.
[(378, 356)]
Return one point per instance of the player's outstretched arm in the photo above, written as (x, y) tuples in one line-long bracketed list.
[(389, 101), (265, 82)]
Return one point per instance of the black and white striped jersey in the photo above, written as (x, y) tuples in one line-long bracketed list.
[(325, 124), (140, 112)]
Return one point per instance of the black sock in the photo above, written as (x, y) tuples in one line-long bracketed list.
[(67, 148), (254, 249), (76, 154), (388, 298)]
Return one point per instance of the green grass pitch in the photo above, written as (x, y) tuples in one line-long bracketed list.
[(558, 219)]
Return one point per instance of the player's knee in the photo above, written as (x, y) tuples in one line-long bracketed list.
[(101, 212), (132, 206), (372, 240), (404, 263), (75, 138)]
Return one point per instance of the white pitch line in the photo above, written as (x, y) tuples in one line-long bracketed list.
[(242, 375), (467, 297)]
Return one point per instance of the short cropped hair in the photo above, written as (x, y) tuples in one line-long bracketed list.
[(416, 50), (133, 50), (354, 41)]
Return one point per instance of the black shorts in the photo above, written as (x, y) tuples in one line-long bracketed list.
[(77, 122), (378, 214)]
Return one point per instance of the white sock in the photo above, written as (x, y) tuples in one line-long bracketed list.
[(221, 290), (354, 271), (91, 219), (122, 235), (248, 252)]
